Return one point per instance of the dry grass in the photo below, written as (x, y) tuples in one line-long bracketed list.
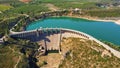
[(82, 55), (52, 60), (8, 58), (5, 7)]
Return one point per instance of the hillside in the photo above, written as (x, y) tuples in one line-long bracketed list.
[(108, 1), (8, 1), (75, 52), (25, 1), (4, 7), (16, 53), (87, 54), (8, 56), (79, 53)]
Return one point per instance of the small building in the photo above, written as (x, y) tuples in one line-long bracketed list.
[(76, 10)]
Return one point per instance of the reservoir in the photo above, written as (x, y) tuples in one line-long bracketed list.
[(106, 31)]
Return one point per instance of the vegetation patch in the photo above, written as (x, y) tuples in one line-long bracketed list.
[(4, 7), (116, 47), (8, 58), (104, 12), (68, 5), (86, 54), (30, 8)]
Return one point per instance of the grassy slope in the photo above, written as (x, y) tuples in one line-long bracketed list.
[(29, 8), (18, 52), (104, 12), (8, 58), (85, 57), (4, 7), (76, 5), (7, 1), (76, 0), (87, 4), (26, 9)]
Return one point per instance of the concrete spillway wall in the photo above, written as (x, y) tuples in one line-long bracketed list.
[(46, 31)]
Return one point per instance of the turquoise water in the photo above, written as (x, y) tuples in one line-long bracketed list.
[(107, 31)]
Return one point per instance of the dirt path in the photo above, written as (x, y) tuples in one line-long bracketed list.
[(18, 59), (52, 7), (17, 62), (52, 60), (11, 49)]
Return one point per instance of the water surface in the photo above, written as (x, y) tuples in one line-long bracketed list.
[(107, 31)]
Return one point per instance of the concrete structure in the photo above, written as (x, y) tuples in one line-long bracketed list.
[(53, 37), (1, 40)]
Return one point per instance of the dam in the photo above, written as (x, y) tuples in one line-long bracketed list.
[(50, 38)]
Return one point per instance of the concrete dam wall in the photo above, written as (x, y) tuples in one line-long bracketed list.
[(51, 37)]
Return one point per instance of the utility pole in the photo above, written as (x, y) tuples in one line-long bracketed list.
[(37, 32)]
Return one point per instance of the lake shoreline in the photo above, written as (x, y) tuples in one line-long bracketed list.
[(96, 19)]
